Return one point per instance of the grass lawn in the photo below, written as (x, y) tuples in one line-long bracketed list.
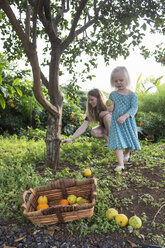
[(139, 190)]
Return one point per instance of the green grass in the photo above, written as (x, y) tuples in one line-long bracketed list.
[(22, 167)]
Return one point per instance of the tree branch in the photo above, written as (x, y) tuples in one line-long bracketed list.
[(158, 212), (71, 35), (88, 15), (32, 2), (33, 58), (60, 13), (58, 17), (77, 17), (27, 21), (47, 25), (14, 22), (87, 25), (36, 6), (44, 79), (47, 10), (92, 21)]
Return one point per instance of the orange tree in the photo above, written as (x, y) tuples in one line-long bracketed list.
[(68, 28)]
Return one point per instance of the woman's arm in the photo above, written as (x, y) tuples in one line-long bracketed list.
[(77, 133), (110, 108)]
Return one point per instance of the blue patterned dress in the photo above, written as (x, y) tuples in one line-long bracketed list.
[(123, 135)]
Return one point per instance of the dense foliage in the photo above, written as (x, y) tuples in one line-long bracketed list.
[(151, 112), (23, 112)]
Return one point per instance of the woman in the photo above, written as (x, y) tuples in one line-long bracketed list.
[(96, 112)]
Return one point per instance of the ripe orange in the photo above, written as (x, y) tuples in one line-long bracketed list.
[(42, 206), (63, 202), (42, 199)]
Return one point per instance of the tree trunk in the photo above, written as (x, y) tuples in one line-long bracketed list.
[(53, 141), (53, 135)]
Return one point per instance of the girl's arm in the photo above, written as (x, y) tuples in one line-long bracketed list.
[(131, 112), (77, 133), (134, 106)]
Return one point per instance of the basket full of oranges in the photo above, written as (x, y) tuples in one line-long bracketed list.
[(60, 201)]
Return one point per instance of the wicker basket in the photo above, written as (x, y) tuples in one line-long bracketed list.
[(55, 191)]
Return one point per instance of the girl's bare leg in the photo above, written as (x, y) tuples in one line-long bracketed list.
[(126, 155), (119, 155)]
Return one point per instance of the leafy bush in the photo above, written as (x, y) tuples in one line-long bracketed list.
[(153, 102), (152, 125), (72, 118), (151, 115)]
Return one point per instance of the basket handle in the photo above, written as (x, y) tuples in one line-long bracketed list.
[(24, 204)]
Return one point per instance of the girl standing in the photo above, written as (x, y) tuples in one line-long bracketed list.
[(122, 133)]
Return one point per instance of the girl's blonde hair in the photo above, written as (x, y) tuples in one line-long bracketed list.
[(122, 70), (93, 113)]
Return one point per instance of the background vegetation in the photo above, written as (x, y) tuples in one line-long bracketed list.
[(20, 111)]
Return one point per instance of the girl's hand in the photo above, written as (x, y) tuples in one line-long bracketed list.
[(122, 118)]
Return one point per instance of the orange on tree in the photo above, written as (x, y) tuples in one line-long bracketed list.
[(64, 202), (42, 206)]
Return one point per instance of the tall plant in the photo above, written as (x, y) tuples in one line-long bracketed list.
[(9, 85)]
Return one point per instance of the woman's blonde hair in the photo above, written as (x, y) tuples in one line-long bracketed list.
[(93, 113), (120, 69)]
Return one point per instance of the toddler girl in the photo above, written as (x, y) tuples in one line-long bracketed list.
[(122, 133)]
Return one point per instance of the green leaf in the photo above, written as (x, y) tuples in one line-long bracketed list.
[(16, 82), (18, 91), (2, 102), (0, 80), (144, 26)]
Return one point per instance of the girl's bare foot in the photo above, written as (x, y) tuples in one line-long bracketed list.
[(119, 168), (126, 157)]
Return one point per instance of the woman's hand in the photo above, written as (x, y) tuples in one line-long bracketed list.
[(110, 108), (66, 141)]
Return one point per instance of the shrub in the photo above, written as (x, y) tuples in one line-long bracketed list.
[(72, 118), (151, 115), (151, 125)]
